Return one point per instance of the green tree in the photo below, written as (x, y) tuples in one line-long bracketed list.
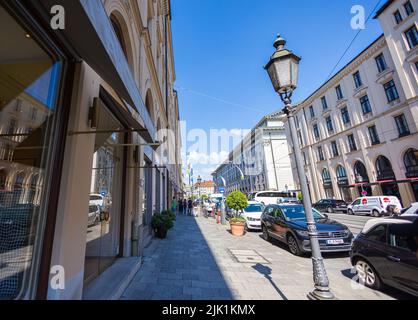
[(237, 201)]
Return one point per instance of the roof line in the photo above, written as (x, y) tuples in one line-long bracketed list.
[(383, 8), (339, 71)]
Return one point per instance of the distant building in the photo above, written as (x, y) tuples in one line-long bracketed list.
[(260, 162), (359, 131), (204, 187)]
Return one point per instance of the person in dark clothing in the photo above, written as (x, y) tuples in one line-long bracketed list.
[(180, 205), (184, 206), (190, 207)]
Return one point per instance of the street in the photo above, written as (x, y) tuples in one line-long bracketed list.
[(202, 260), (354, 223)]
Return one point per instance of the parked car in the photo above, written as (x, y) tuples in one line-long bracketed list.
[(412, 210), (252, 215), (96, 199), (331, 205), (374, 206), (287, 223), (385, 253), (94, 214)]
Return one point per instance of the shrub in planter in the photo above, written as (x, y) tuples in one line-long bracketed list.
[(161, 224), (170, 214), (237, 201)]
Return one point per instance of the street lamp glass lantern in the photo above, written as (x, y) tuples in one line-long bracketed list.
[(283, 68)]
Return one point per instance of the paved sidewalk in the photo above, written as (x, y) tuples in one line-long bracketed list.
[(201, 260)]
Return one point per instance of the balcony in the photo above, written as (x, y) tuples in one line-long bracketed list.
[(412, 172)]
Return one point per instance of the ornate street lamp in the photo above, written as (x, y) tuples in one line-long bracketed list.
[(283, 70)]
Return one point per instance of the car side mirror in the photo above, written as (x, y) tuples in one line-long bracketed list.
[(326, 216)]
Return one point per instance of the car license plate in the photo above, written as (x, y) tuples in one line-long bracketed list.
[(336, 241)]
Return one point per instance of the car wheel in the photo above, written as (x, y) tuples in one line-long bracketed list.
[(376, 213), (367, 275), (330, 210), (350, 212), (293, 245), (266, 235)]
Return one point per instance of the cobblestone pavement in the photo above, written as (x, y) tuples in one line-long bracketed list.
[(201, 260)]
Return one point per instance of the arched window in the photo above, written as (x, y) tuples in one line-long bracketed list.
[(326, 177), (384, 169), (119, 34), (3, 178), (341, 174), (19, 181), (360, 172), (149, 104), (411, 163)]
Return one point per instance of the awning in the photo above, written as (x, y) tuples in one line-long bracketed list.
[(90, 36)]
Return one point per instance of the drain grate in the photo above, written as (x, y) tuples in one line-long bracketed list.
[(247, 256)]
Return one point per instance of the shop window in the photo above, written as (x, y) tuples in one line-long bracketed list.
[(29, 78)]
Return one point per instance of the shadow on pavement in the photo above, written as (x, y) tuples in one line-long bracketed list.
[(393, 292), (180, 267), (266, 271)]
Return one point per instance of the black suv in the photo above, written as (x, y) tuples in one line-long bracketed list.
[(287, 223), (331, 205), (386, 252)]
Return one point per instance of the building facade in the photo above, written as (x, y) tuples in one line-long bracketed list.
[(204, 188), (260, 162), (89, 119), (359, 131)]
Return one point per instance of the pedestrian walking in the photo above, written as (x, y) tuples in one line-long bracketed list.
[(189, 206), (174, 205), (184, 207), (180, 205)]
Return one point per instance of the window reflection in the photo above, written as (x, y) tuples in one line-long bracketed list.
[(28, 82)]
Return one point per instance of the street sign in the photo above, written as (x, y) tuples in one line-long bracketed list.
[(222, 190)]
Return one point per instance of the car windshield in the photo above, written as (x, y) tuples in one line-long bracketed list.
[(254, 208), (298, 213)]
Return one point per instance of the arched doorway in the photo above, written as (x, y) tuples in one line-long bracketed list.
[(327, 183), (411, 166), (362, 178), (342, 180), (386, 177)]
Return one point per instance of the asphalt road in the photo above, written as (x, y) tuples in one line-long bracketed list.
[(354, 223)]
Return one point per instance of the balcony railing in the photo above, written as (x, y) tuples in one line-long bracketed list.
[(412, 172)]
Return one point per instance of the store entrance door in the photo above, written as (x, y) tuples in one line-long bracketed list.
[(104, 216)]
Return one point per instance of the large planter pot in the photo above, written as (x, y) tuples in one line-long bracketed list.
[(237, 228), (161, 233)]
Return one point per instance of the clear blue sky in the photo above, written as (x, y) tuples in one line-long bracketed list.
[(221, 46)]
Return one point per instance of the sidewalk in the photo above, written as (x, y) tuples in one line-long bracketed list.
[(201, 260)]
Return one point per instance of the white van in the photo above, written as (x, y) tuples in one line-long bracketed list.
[(374, 206), (274, 197)]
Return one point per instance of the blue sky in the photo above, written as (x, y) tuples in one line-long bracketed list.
[(221, 46)]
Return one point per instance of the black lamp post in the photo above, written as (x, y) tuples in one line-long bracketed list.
[(283, 70)]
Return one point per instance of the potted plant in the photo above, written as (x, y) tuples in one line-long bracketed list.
[(161, 223), (237, 201)]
